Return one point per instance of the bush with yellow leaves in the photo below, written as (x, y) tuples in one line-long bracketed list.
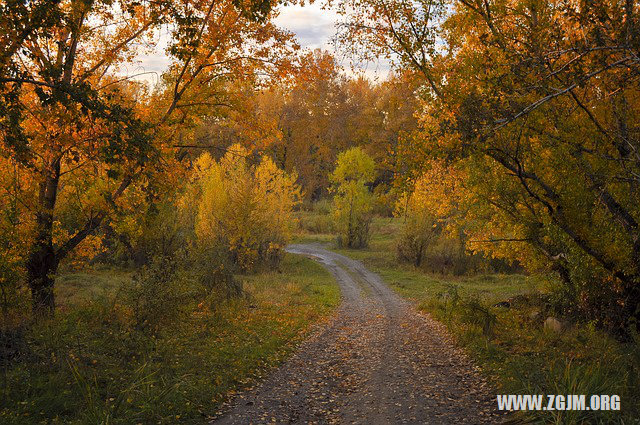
[(248, 208), (353, 201)]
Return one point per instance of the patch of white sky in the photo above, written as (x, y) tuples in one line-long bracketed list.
[(313, 25)]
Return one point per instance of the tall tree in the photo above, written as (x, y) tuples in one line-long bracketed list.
[(305, 120), (538, 102), (72, 122)]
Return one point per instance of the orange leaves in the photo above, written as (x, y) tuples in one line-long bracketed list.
[(84, 130)]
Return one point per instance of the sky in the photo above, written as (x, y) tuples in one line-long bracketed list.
[(313, 27)]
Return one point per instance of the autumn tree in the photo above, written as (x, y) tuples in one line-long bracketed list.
[(404, 32), (72, 124), (538, 102), (396, 101), (353, 201), (312, 122), (307, 119), (429, 209), (246, 208)]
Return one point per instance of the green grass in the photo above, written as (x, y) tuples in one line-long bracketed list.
[(413, 283), (516, 353), (74, 289), (89, 365)]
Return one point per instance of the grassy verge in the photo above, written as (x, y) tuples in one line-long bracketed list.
[(510, 344), (90, 365)]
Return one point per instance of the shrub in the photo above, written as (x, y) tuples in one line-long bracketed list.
[(421, 224), (466, 309), (159, 293), (353, 201), (416, 237), (473, 312), (214, 271), (160, 231), (248, 209), (430, 237), (356, 234), (13, 251)]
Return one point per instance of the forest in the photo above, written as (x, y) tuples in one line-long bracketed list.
[(165, 247)]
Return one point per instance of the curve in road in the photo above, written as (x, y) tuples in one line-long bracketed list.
[(378, 361)]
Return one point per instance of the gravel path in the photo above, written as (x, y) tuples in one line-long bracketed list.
[(377, 362)]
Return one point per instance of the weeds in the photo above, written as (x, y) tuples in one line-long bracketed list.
[(569, 377), (467, 309), (104, 363)]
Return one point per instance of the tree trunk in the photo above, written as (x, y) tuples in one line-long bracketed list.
[(42, 263), (420, 251), (41, 268)]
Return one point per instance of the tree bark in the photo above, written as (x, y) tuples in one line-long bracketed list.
[(41, 268), (42, 262)]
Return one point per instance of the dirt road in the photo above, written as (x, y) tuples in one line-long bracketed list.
[(377, 362)]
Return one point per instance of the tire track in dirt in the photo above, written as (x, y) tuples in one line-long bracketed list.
[(378, 361)]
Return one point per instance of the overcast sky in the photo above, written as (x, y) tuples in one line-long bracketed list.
[(312, 26)]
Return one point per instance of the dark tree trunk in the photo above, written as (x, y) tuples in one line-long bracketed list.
[(42, 262), (419, 253), (41, 268)]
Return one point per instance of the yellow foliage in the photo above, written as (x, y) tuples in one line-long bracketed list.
[(88, 249), (353, 202), (248, 208), (436, 194)]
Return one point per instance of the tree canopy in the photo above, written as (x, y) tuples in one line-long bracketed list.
[(77, 133), (536, 103)]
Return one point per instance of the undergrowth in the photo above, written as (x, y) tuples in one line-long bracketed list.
[(100, 362)]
